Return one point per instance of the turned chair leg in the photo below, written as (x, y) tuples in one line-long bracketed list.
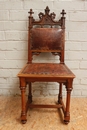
[(60, 93), (30, 93), (67, 111), (23, 100)]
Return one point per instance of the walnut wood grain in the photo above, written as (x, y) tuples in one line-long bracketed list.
[(46, 35)]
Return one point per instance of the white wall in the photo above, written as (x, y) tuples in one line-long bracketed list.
[(13, 43)]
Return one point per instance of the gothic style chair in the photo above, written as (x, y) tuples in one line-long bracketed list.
[(43, 39)]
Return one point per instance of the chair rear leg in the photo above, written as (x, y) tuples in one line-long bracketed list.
[(30, 93), (60, 93)]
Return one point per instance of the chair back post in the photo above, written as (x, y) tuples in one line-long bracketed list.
[(63, 19), (63, 27), (29, 28)]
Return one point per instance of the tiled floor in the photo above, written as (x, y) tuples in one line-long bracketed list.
[(41, 119)]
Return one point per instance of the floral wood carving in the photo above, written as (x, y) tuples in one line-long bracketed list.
[(47, 18)]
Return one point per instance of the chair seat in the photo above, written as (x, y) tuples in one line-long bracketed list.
[(46, 70)]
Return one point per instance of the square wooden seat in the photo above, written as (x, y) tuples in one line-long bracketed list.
[(46, 70), (46, 39)]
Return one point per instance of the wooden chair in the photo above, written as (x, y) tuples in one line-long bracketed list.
[(43, 39)]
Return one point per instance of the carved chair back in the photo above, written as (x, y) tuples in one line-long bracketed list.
[(46, 34)]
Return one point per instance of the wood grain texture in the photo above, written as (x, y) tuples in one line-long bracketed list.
[(52, 40)]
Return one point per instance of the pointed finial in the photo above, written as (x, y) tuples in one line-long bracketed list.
[(31, 12), (47, 10), (63, 13)]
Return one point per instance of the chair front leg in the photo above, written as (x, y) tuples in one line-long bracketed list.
[(23, 100), (67, 111)]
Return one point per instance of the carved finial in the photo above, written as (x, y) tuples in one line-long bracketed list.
[(40, 15), (53, 15), (47, 10), (63, 13), (31, 12)]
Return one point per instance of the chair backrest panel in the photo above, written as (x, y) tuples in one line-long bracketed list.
[(46, 34), (46, 39)]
